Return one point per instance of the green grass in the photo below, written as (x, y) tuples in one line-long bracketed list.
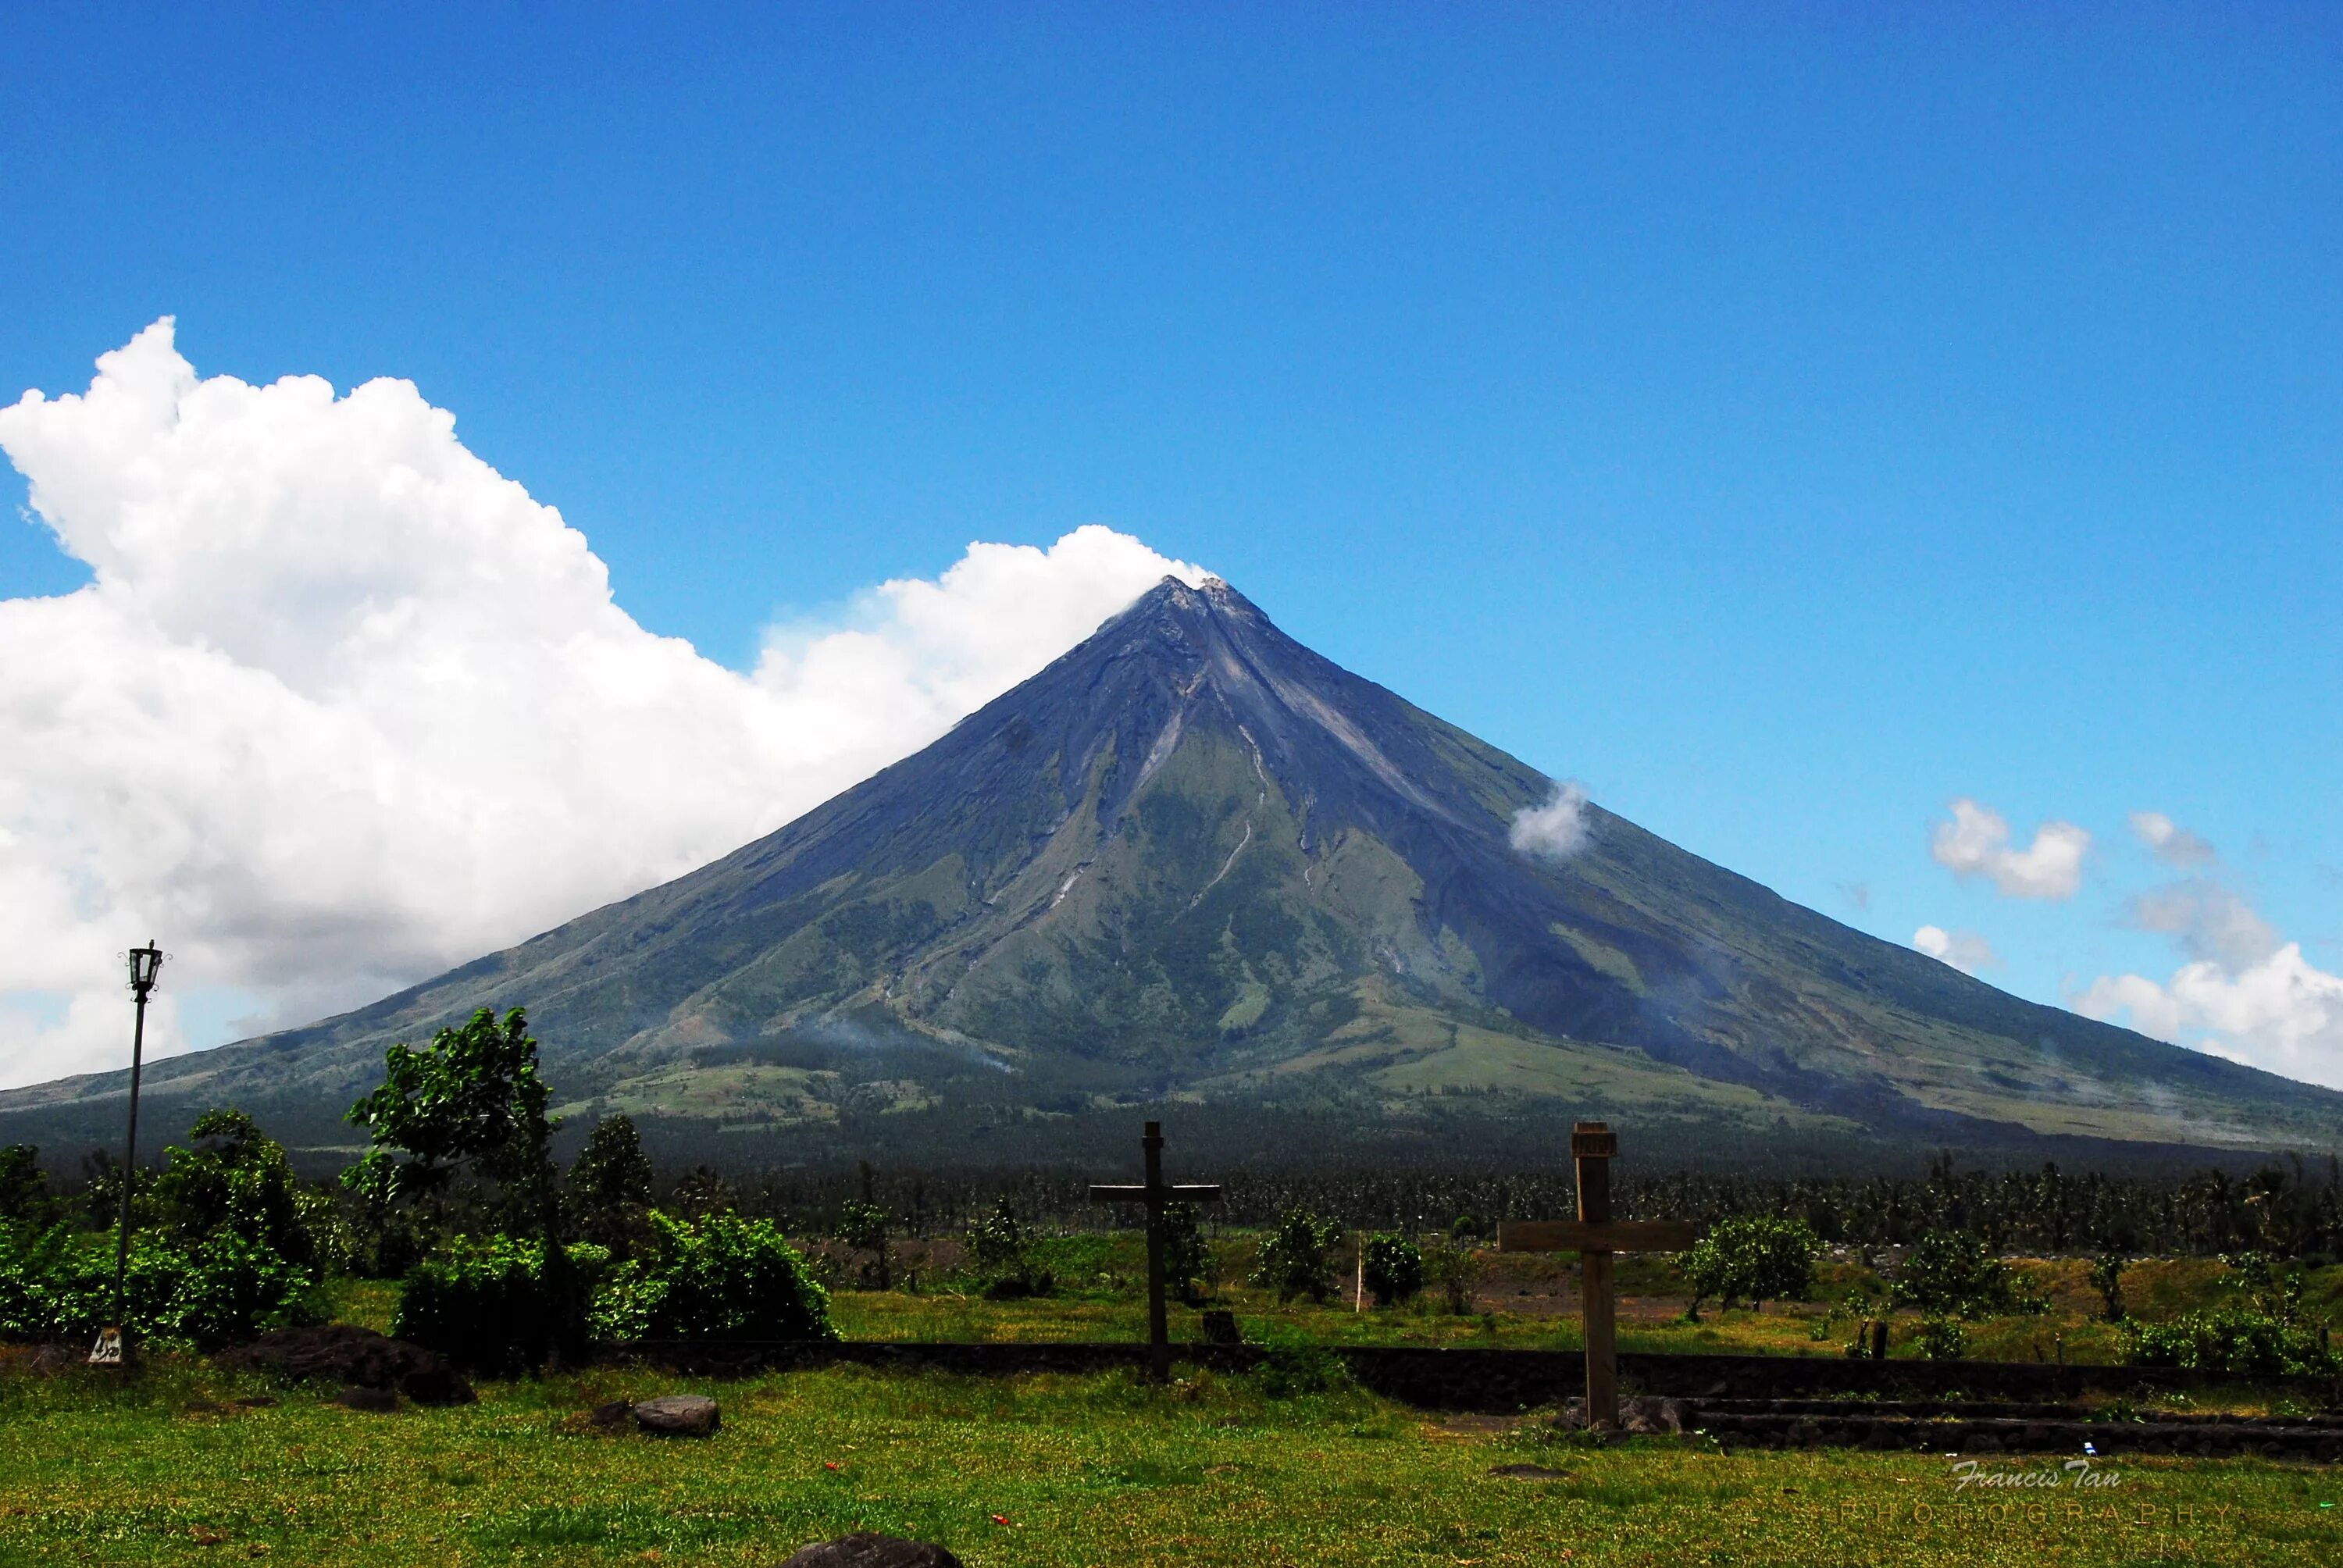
[(1090, 1470)]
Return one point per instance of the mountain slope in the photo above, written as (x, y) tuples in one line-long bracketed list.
[(1193, 859)]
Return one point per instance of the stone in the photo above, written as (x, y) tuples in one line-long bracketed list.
[(678, 1415), (1646, 1413), (870, 1550), (360, 1397), (1529, 1472), (613, 1413), (1220, 1326)]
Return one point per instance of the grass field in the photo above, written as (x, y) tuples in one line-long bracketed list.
[(166, 1466), (1040, 1471)]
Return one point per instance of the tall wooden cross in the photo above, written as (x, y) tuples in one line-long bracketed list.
[(1595, 1237), (1156, 1194)]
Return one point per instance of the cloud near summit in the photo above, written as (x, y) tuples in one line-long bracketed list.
[(343, 705)]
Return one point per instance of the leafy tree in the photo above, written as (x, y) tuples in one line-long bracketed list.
[(234, 1179), (473, 1100), (1393, 1267), (1297, 1257), (1758, 1257), (1950, 1274), (610, 1185), (24, 1195)]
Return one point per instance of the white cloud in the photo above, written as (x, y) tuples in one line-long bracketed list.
[(2280, 1012), (343, 706), (2169, 841), (1556, 830), (1976, 843), (1965, 951)]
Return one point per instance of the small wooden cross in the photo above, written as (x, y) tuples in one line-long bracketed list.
[(1594, 1236), (1155, 1193)]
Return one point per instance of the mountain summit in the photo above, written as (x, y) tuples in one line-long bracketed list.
[(1193, 860)]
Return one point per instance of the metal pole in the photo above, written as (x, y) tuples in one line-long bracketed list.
[(1159, 1330), (129, 1163)]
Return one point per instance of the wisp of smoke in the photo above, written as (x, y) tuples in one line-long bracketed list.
[(1556, 830)]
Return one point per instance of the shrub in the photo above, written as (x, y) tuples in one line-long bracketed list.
[(1002, 1252), (865, 1226), (1392, 1269), (1455, 1270), (1949, 1273), (482, 1303), (2237, 1342), (720, 1278), (1943, 1340), (55, 1284), (1761, 1258), (1297, 1257)]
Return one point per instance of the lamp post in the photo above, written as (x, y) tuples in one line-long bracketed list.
[(111, 1349)]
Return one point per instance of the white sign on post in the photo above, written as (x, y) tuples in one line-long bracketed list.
[(107, 1351)]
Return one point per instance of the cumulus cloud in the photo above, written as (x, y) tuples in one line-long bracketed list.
[(343, 706), (1965, 951), (1556, 830), (1976, 843), (2170, 842), (2245, 993), (2281, 1013)]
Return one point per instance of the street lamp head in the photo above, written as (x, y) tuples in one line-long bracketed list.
[(144, 964)]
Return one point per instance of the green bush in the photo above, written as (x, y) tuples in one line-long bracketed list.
[(720, 1278), (1943, 1340), (57, 1284), (1000, 1252), (1950, 1274), (482, 1303), (1761, 1258), (2232, 1341), (1393, 1267), (1297, 1257)]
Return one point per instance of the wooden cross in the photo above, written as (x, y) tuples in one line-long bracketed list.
[(1594, 1236), (1155, 1193)]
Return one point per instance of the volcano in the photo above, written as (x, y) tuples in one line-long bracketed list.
[(1193, 863)]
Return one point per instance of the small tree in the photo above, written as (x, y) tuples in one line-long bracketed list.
[(1297, 1258), (234, 1179), (1392, 1269), (2106, 1277), (1187, 1259), (610, 1185), (24, 1195), (1455, 1270), (1951, 1274), (1758, 1257), (473, 1100), (1003, 1251), (865, 1227)]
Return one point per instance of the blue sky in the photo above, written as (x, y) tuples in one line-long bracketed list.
[(1786, 421)]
